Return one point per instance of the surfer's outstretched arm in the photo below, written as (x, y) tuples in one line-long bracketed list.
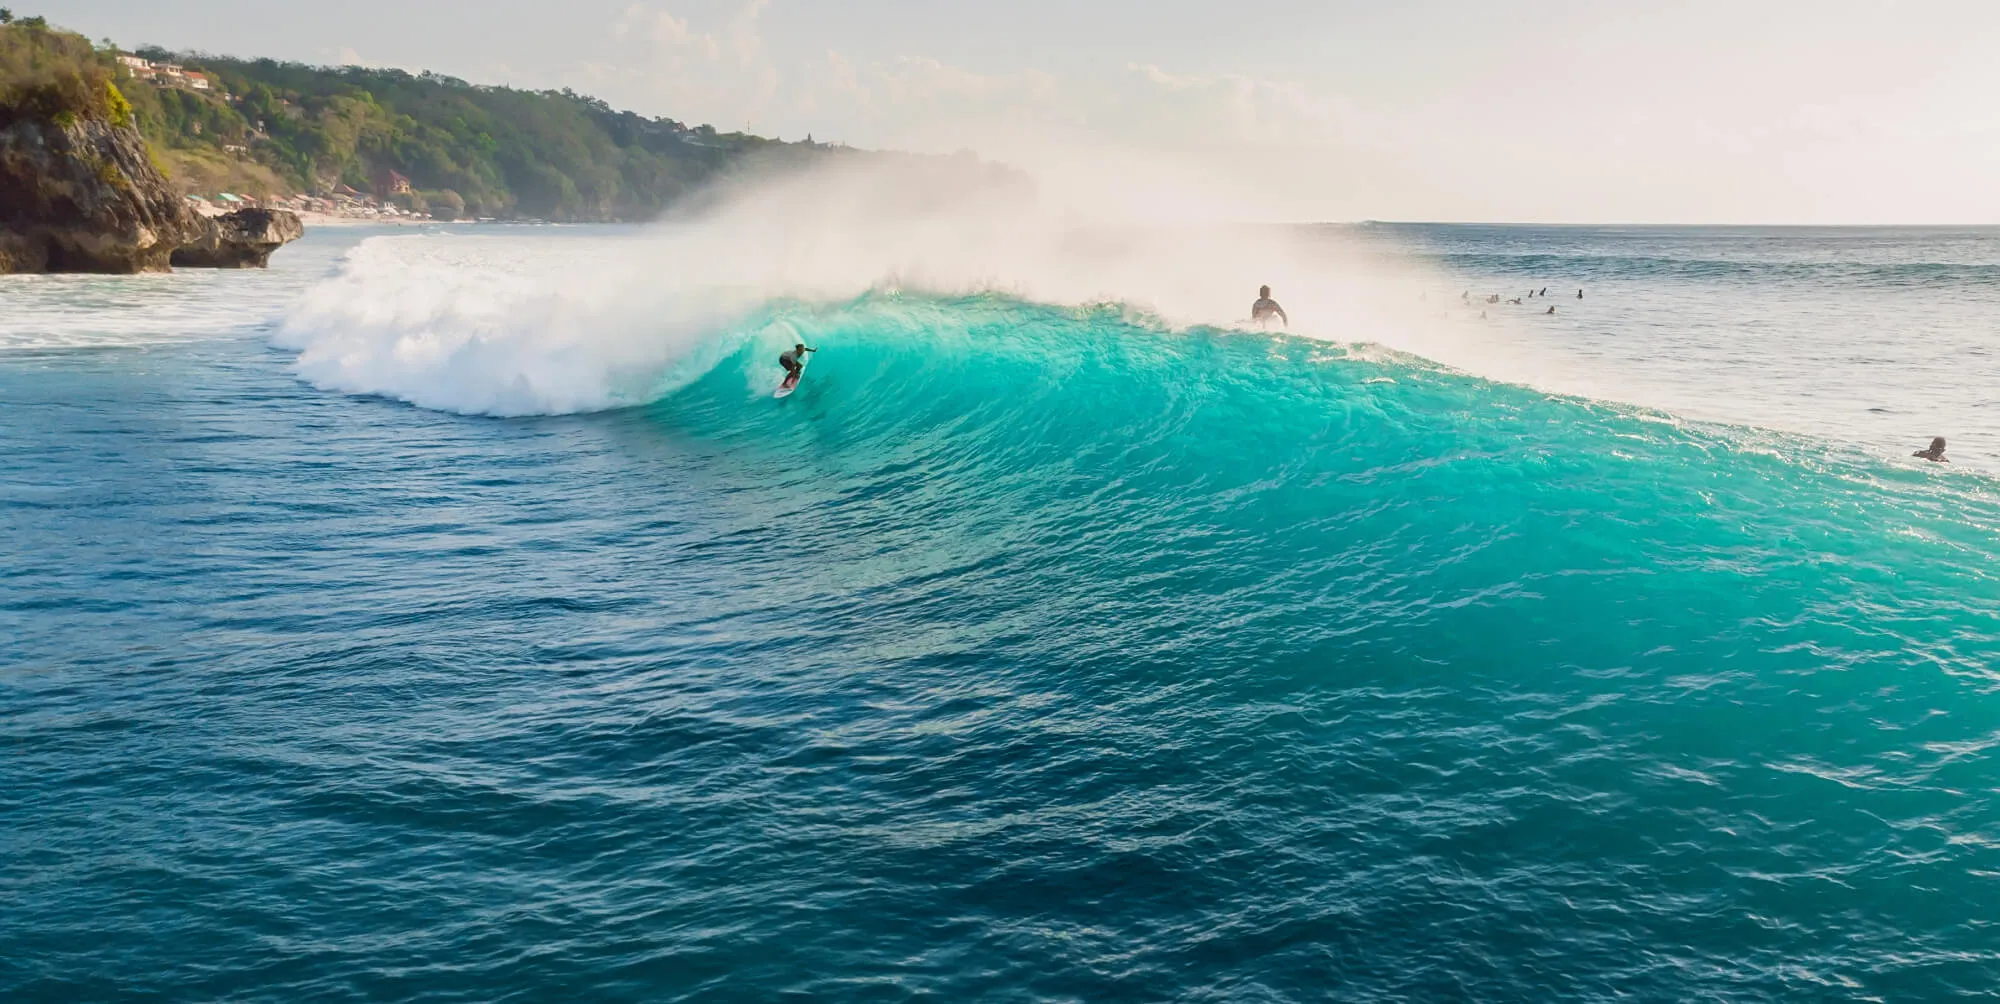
[(1281, 315)]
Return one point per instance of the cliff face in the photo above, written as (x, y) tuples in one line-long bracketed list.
[(85, 197)]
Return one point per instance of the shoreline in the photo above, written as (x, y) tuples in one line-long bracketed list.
[(333, 220)]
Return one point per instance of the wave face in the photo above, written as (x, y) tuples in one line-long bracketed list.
[(1026, 652)]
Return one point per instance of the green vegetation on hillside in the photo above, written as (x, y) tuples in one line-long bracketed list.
[(269, 128), (51, 75)]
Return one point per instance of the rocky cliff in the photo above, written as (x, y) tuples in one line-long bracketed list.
[(242, 239), (83, 196), (79, 189)]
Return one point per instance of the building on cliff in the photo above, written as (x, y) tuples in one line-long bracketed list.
[(165, 74)]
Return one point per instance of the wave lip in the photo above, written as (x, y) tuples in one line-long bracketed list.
[(412, 319)]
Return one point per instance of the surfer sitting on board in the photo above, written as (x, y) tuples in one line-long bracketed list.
[(1262, 310), (790, 361)]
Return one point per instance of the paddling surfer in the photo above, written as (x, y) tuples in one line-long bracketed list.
[(1935, 454), (1262, 310)]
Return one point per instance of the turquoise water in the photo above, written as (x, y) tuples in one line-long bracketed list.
[(1026, 653)]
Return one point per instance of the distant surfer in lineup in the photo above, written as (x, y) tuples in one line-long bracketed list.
[(1935, 454), (794, 362), (1262, 310)]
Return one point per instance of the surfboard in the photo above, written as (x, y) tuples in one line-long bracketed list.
[(791, 381)]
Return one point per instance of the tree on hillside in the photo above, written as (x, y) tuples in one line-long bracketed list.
[(55, 76), (6, 16)]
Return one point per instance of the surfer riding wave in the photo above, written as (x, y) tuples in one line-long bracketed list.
[(794, 362)]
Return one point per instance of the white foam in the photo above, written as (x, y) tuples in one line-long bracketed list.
[(112, 311), (507, 325)]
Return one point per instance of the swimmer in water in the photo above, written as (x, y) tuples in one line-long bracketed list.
[(1935, 454), (1262, 310), (1552, 308)]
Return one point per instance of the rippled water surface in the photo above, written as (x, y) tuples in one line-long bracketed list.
[(1026, 653)]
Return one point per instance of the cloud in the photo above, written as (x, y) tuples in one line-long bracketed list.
[(721, 69), (670, 36), (1170, 81), (919, 91), (343, 55), (1243, 109), (1125, 131), (743, 35), (661, 26), (1137, 128), (717, 72)]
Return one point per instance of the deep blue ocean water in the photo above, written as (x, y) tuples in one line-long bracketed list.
[(1028, 652)]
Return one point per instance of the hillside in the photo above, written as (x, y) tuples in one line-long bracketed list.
[(265, 128), (52, 75), (81, 190)]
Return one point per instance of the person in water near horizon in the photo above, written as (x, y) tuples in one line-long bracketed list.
[(793, 361), (1262, 310), (1935, 454)]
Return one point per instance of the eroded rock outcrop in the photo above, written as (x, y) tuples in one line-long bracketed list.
[(85, 196), (242, 239)]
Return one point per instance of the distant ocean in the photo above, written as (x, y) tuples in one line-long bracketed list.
[(369, 630)]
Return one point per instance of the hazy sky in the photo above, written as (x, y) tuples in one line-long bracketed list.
[(1523, 110)]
